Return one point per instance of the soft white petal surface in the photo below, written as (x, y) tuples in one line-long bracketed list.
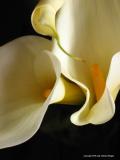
[(113, 79), (25, 72)]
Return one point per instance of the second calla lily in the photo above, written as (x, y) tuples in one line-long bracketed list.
[(90, 29)]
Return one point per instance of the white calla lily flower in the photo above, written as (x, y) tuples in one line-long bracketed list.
[(89, 29), (28, 79)]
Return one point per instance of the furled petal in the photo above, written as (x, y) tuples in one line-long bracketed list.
[(89, 29), (26, 72), (43, 16), (100, 113), (73, 94), (104, 109)]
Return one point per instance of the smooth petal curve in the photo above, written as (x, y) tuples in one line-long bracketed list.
[(100, 113), (104, 109), (25, 72), (74, 95), (113, 80)]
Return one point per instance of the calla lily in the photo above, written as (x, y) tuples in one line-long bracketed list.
[(95, 37), (89, 29), (28, 79)]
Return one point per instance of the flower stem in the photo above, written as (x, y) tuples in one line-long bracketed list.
[(56, 36), (68, 54)]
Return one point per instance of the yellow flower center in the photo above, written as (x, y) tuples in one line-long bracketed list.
[(98, 80), (46, 93)]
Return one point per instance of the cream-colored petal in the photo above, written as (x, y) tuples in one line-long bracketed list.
[(74, 95), (56, 4), (43, 16), (99, 113), (90, 30), (25, 72), (104, 109), (113, 80)]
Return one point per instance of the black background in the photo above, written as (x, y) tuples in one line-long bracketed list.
[(57, 139)]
